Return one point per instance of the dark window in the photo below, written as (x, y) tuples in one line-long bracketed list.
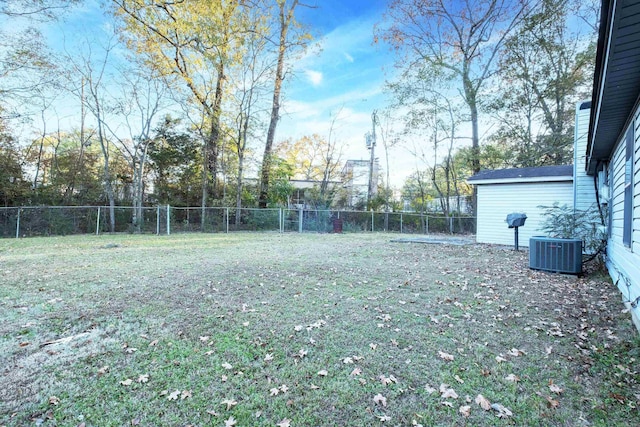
[(628, 189)]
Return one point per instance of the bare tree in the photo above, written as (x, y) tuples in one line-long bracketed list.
[(462, 39), (138, 106), (287, 40), (86, 79)]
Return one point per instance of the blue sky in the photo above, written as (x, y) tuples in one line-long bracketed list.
[(345, 79), (343, 74)]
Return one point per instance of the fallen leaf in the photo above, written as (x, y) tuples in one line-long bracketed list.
[(429, 389), (204, 339), (274, 391), (230, 422), (227, 366), (54, 400), (457, 378), (515, 352), (373, 346), (302, 353), (502, 411), (380, 399), (347, 360), (483, 402), (384, 418), (126, 382), (323, 373), (552, 402), (212, 413), (230, 403), (445, 356), (313, 387), (174, 395), (500, 359), (356, 371), (284, 388), (284, 423), (268, 357), (447, 403), (512, 378), (447, 392), (153, 343), (103, 370), (555, 389), (143, 378), (465, 410), (185, 394)]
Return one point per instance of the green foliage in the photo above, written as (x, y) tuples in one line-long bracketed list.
[(564, 222), (13, 185), (279, 186), (177, 162)]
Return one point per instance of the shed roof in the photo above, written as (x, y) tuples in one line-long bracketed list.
[(534, 174), (616, 83)]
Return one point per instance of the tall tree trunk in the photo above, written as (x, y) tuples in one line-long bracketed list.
[(213, 143), (286, 17)]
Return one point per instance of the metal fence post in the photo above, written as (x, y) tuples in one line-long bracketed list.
[(451, 225), (98, 222), (400, 222), (426, 224), (372, 220), (280, 216), (158, 220), (168, 220), (18, 224), (300, 219), (226, 214)]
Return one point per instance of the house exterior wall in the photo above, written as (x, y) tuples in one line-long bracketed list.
[(624, 262), (496, 201), (583, 184)]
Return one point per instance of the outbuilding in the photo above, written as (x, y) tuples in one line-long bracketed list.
[(519, 190)]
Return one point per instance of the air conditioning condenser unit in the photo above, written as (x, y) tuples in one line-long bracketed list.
[(555, 255)]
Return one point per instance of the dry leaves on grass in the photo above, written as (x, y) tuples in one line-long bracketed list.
[(379, 399), (483, 402), (554, 388), (447, 392), (230, 422), (284, 423), (515, 352), (387, 380), (502, 411), (445, 356), (229, 402), (513, 378), (465, 410)]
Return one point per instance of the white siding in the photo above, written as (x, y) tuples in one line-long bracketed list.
[(624, 262), (496, 201), (583, 184)]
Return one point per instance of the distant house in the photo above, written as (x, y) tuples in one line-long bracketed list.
[(299, 199), (519, 190), (612, 155), (355, 179)]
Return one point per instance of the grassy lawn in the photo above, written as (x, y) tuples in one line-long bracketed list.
[(305, 330)]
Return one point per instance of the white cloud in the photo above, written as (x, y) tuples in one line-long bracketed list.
[(349, 57), (314, 77)]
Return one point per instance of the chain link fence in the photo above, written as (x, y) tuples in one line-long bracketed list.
[(30, 221)]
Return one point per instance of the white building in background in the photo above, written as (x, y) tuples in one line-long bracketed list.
[(355, 179)]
